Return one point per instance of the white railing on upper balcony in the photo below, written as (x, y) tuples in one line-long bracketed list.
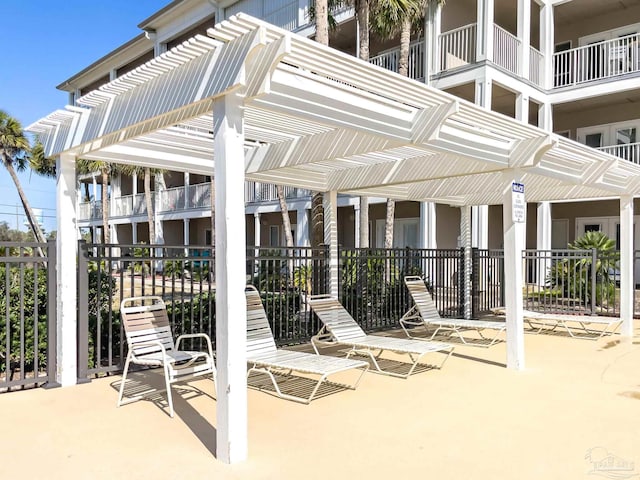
[(171, 199), (282, 15), (597, 61), (506, 50), (390, 59), (129, 205), (457, 47), (199, 196), (627, 151), (535, 66), (90, 210), (263, 192)]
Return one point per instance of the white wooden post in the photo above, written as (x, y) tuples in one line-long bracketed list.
[(465, 237), (428, 225), (627, 287), (67, 252), (522, 107), (514, 235), (524, 35), (134, 232), (331, 238), (356, 223), (484, 30), (231, 313), (302, 227), (483, 93), (547, 40), (432, 28), (256, 230), (186, 190), (480, 226), (543, 240)]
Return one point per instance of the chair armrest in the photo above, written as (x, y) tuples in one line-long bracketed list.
[(152, 343), (195, 335)]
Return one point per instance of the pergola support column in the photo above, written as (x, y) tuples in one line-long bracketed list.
[(465, 237), (331, 238), (67, 252), (626, 265), (514, 236), (302, 227), (428, 225), (231, 313)]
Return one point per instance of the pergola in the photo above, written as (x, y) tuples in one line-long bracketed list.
[(252, 101)]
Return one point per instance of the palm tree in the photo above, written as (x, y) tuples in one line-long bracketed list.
[(286, 222), (147, 173), (15, 151), (105, 169)]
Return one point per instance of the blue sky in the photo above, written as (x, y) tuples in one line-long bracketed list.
[(45, 43)]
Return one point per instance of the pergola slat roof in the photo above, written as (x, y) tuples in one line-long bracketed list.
[(319, 119)]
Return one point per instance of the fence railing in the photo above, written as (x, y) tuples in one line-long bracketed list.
[(628, 151), (27, 315), (457, 47), (535, 66), (128, 205), (90, 210), (259, 192), (390, 60), (597, 61), (506, 50)]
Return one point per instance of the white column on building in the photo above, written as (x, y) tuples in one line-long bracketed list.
[(545, 116), (186, 235), (428, 225), (302, 227), (256, 230), (134, 184), (356, 223), (627, 263), (484, 30), (514, 235), (522, 107), (465, 238), (159, 224), (331, 238), (94, 188), (524, 35), (547, 43), (483, 92), (67, 252), (231, 312), (432, 28), (186, 190), (134, 232), (480, 226), (543, 239)]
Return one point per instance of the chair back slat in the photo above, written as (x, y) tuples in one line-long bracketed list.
[(259, 335), (422, 298), (145, 320), (336, 318)]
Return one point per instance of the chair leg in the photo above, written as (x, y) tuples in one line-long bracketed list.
[(168, 383), (124, 378)]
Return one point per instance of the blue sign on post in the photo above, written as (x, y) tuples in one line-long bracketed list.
[(518, 203)]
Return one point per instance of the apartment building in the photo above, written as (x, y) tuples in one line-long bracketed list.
[(571, 67)]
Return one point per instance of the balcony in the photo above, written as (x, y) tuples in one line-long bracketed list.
[(457, 48), (90, 211), (627, 151), (597, 61), (266, 192), (129, 205)]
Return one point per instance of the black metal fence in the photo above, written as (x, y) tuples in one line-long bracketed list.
[(27, 315)]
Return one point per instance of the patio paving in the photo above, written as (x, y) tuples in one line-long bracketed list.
[(574, 405)]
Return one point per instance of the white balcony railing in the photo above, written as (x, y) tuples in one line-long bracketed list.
[(199, 196), (535, 66), (627, 151), (390, 60), (263, 192), (597, 61), (129, 205), (171, 199), (90, 211), (457, 47), (506, 50)]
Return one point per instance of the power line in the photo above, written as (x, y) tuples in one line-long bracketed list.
[(13, 214), (17, 205)]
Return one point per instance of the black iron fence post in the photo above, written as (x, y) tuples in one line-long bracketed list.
[(461, 283), (83, 313), (52, 314), (475, 281), (594, 259)]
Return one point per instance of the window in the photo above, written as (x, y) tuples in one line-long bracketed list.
[(274, 236), (594, 140)]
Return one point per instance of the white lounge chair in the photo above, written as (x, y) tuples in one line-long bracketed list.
[(265, 358), (341, 329), (150, 343), (425, 314), (573, 324)]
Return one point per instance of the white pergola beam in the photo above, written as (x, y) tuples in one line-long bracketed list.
[(231, 313)]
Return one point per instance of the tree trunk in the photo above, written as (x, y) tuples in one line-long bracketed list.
[(317, 220), (105, 206), (362, 7), (322, 22), (405, 40), (284, 209), (31, 218), (149, 201), (388, 223)]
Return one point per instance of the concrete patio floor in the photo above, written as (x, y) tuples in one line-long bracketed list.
[(576, 403)]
